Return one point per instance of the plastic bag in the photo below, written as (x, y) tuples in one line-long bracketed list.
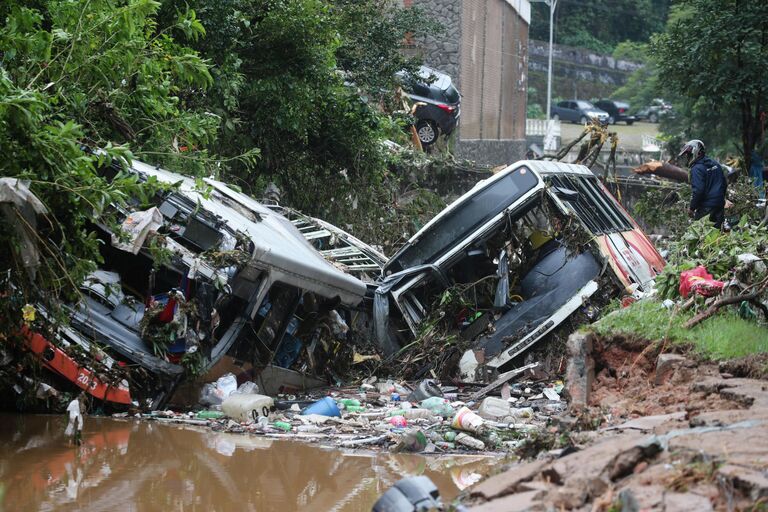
[(209, 395), (247, 388), (700, 282), (226, 385)]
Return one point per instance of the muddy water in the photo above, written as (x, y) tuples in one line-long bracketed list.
[(142, 466)]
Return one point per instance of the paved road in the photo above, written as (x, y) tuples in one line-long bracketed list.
[(630, 137)]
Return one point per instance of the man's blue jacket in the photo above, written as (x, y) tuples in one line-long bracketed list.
[(708, 184)]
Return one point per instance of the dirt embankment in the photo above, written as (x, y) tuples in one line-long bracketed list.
[(655, 431)]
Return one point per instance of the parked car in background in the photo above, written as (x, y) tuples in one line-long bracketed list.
[(440, 111), (578, 111), (657, 110), (617, 111)]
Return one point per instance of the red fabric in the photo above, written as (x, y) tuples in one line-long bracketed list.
[(166, 315), (700, 282)]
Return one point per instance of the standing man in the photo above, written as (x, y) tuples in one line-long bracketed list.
[(708, 183), (75, 411)]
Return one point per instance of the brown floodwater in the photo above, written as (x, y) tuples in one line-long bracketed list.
[(144, 466)]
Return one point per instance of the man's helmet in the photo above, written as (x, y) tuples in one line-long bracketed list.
[(692, 151)]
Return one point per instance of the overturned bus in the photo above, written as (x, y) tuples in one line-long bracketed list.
[(205, 281), (547, 236)]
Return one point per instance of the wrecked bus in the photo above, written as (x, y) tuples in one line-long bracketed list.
[(205, 281), (549, 236)]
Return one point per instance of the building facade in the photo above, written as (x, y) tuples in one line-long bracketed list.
[(484, 47)]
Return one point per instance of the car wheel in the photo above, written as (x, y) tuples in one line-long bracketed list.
[(427, 132), (555, 117), (611, 120), (629, 123), (583, 120), (653, 118)]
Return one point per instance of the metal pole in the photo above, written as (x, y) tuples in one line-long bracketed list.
[(552, 5)]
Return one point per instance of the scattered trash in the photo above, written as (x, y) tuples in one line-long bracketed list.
[(467, 420), (414, 441), (426, 388), (247, 407), (323, 407), (493, 408), (247, 388), (366, 416), (470, 441), (398, 421)]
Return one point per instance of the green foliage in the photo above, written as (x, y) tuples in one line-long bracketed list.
[(371, 33), (718, 251), (724, 336), (534, 111), (46, 151), (99, 73), (632, 51), (598, 25), (302, 80), (665, 207), (714, 55), (114, 70)]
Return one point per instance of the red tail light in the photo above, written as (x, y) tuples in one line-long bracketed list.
[(446, 108), (622, 110)]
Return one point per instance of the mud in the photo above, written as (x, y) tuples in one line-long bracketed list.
[(662, 432), (131, 465)]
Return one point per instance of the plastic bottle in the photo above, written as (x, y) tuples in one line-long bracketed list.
[(282, 426), (247, 407), (439, 406), (493, 408), (210, 415), (413, 414), (470, 441), (346, 402), (354, 408)]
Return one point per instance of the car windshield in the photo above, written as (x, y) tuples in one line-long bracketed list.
[(584, 104), (462, 221)]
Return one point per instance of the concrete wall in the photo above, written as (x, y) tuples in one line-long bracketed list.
[(578, 72), (484, 47)]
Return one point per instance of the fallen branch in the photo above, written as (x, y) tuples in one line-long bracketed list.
[(711, 310)]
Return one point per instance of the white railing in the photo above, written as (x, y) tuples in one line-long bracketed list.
[(549, 129), (538, 127), (652, 144)]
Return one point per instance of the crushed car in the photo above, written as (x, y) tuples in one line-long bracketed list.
[(546, 235), (204, 281)]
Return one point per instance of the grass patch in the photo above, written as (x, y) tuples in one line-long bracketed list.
[(724, 336)]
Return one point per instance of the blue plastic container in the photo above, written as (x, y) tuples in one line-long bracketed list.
[(324, 407)]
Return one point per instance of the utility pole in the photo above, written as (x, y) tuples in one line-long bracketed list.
[(552, 6)]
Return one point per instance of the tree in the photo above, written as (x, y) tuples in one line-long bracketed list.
[(600, 25), (715, 56), (303, 80), (101, 73)]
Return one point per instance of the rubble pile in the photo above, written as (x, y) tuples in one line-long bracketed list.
[(426, 418)]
